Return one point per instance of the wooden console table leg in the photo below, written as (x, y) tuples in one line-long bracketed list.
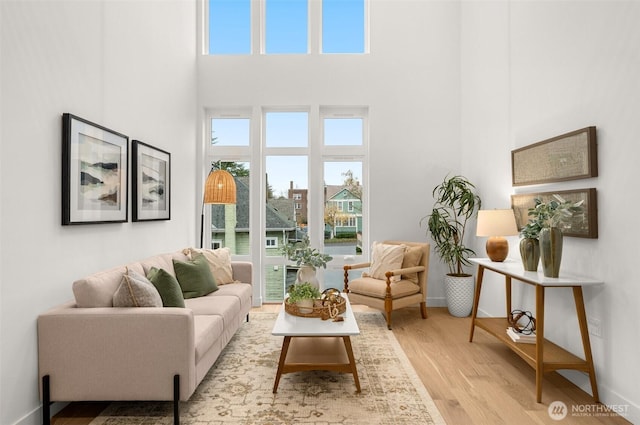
[(539, 341), (283, 357), (507, 284), (352, 361), (586, 343), (476, 301)]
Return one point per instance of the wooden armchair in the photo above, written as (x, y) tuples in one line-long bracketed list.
[(389, 290)]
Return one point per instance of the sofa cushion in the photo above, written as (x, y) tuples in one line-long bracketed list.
[(97, 289), (207, 330), (219, 261), (412, 257), (228, 307), (135, 290), (168, 287), (163, 261), (385, 257), (242, 291), (195, 277)]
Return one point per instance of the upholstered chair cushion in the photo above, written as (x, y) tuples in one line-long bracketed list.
[(412, 257), (376, 288)]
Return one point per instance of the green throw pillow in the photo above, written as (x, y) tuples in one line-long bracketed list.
[(167, 286), (195, 277)]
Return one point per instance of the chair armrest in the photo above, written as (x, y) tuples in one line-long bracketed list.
[(355, 266), (408, 270)]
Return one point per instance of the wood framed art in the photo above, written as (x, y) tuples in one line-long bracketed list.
[(151, 187), (583, 226), (94, 173), (567, 157)]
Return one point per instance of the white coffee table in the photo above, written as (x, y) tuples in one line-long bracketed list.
[(311, 343)]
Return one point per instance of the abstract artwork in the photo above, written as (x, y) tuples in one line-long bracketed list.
[(151, 169), (94, 173)]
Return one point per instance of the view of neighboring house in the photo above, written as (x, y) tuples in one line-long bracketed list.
[(343, 212)]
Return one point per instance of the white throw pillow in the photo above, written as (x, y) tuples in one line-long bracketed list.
[(219, 261), (386, 257), (136, 290)]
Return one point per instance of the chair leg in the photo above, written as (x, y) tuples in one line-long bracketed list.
[(388, 317), (423, 309)]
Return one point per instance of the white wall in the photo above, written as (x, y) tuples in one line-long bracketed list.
[(534, 70), (410, 81), (129, 66)]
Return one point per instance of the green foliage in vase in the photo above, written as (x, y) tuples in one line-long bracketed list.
[(556, 213), (302, 291), (302, 254), (456, 202)]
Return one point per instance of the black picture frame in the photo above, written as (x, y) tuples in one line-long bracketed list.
[(584, 226), (95, 174), (569, 156), (151, 184)]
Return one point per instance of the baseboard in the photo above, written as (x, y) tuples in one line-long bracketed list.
[(614, 401), (35, 416), (436, 302)]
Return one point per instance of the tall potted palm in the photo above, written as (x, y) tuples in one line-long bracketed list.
[(456, 203)]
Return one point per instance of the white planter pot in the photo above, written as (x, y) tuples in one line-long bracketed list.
[(305, 306), (459, 291)]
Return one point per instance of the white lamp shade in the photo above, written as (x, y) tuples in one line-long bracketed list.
[(496, 223)]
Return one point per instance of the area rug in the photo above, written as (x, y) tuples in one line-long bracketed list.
[(238, 388)]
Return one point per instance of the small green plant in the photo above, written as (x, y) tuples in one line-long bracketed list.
[(302, 291), (556, 213), (302, 254)]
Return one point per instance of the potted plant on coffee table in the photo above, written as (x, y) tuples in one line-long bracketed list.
[(303, 294), (456, 203)]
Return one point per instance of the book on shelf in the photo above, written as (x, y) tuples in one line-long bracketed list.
[(519, 337)]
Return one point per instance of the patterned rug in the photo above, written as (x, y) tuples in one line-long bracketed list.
[(238, 388)]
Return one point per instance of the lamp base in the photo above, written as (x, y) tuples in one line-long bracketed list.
[(497, 248)]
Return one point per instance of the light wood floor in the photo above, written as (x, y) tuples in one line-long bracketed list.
[(471, 383)]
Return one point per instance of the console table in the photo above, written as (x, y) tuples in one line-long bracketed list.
[(543, 356)]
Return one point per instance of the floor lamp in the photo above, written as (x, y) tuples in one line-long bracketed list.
[(220, 188)]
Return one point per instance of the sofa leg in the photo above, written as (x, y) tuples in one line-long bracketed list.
[(176, 399), (247, 318), (46, 401)]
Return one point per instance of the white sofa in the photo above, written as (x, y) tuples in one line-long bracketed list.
[(89, 350)]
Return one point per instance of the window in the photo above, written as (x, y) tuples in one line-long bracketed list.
[(343, 26), (286, 26), (301, 180), (229, 27), (271, 243), (230, 131)]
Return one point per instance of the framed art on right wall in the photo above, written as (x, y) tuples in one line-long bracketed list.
[(570, 156), (582, 226)]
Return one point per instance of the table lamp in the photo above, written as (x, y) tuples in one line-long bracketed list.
[(220, 188), (496, 224)]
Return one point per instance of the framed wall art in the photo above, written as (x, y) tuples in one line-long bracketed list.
[(567, 157), (151, 169), (94, 173), (583, 226)]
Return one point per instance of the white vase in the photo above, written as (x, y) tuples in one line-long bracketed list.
[(307, 273), (305, 306), (459, 291)]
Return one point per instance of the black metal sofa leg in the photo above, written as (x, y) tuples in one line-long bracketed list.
[(46, 401), (176, 399)]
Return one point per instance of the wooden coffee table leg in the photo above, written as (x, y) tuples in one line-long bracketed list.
[(352, 361), (283, 356)]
